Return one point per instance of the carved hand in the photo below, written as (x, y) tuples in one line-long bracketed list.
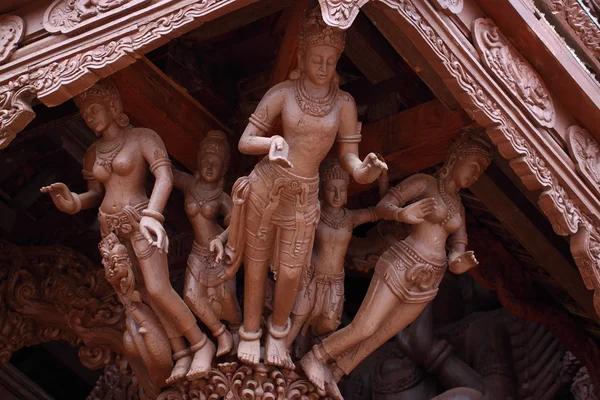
[(370, 169), (416, 212), (463, 262), (62, 197), (150, 227), (227, 273), (217, 246), (279, 152)]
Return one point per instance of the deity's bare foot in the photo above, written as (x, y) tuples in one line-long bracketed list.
[(336, 372), (276, 349), (204, 352), (224, 341), (248, 350), (315, 368), (332, 388), (183, 360)]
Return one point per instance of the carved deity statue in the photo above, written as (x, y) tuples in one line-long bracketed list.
[(407, 275), (205, 293), (115, 169), (320, 302), (276, 208)]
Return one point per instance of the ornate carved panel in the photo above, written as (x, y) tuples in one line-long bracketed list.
[(53, 293), (514, 73), (585, 151), (579, 20), (12, 29), (71, 16), (340, 13)]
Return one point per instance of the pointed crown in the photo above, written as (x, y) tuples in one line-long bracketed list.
[(331, 169), (472, 143), (316, 32), (215, 142)]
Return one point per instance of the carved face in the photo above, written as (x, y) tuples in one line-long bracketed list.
[(210, 167), (335, 192), (319, 63), (467, 170), (97, 117)]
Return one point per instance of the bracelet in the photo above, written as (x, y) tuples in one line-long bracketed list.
[(77, 201), (153, 214)]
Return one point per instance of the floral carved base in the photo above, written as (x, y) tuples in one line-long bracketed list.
[(235, 381)]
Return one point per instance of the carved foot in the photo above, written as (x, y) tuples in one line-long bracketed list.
[(332, 389), (276, 350), (249, 347), (224, 341), (183, 360), (204, 352), (315, 368), (336, 372)]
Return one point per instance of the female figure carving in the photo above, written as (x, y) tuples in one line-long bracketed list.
[(115, 169), (320, 301), (204, 292), (407, 275), (276, 209)]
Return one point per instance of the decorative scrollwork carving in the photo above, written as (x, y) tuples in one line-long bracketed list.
[(340, 13), (52, 294), (71, 16), (514, 73), (232, 381), (12, 29), (453, 6), (579, 20), (585, 151)]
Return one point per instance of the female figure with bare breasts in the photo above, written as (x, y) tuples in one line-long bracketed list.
[(320, 301), (407, 275), (115, 168), (276, 208), (204, 292)]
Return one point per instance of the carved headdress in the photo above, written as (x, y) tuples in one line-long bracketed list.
[(215, 142), (103, 92), (316, 32), (471, 143), (331, 169)]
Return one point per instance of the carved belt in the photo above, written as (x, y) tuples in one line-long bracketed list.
[(203, 266), (300, 192), (122, 223)]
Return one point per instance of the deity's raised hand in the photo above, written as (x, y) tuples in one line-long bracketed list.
[(150, 227), (416, 212), (279, 151), (63, 198), (463, 262), (370, 169)]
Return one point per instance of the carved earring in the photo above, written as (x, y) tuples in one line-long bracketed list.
[(122, 120)]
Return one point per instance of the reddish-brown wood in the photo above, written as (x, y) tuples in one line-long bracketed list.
[(152, 99)]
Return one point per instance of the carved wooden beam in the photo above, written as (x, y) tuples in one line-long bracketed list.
[(56, 70), (152, 99), (413, 139), (562, 269), (537, 159)]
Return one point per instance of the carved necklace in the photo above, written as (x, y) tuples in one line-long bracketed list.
[(106, 156), (452, 205), (201, 200), (334, 222), (313, 106)]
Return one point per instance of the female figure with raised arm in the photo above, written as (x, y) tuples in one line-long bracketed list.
[(115, 169), (203, 291), (320, 301), (276, 209), (407, 275)]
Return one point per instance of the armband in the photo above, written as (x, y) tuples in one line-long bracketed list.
[(159, 163), (260, 124), (153, 214)]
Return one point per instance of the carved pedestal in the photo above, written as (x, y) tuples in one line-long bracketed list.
[(235, 381)]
